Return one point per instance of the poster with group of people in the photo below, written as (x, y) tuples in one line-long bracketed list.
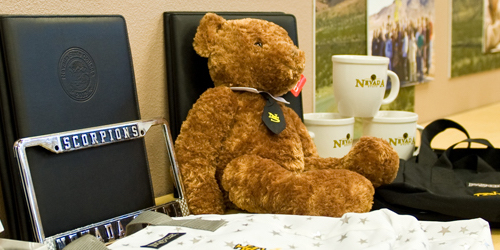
[(403, 32)]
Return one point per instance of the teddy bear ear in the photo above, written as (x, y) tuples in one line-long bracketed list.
[(206, 33)]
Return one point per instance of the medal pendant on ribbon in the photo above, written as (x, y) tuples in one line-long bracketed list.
[(272, 115)]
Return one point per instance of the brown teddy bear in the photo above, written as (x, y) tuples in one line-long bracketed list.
[(228, 156)]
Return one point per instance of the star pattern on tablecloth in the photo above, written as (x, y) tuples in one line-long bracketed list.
[(317, 235), (445, 230), (465, 246), (363, 220), (286, 233), (343, 237), (345, 220)]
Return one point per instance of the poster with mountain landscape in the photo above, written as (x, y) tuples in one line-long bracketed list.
[(342, 28)]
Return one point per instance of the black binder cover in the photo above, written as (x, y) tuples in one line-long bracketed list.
[(61, 73)]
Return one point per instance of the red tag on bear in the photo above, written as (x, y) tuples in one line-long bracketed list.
[(300, 84)]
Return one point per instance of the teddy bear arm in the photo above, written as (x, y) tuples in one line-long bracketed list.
[(308, 146), (198, 146), (312, 161)]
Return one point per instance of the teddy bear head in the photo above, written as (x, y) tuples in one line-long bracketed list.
[(249, 53)]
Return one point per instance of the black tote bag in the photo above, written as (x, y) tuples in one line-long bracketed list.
[(456, 183)]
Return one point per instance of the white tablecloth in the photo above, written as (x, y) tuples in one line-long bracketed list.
[(382, 229)]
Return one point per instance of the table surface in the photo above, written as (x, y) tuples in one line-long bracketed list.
[(483, 122)]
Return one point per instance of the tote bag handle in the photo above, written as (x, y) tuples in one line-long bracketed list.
[(469, 160), (427, 155)]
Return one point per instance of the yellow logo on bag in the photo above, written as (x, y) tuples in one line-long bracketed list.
[(248, 247), (487, 194), (251, 247)]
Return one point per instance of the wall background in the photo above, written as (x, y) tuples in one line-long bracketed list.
[(445, 96), (144, 19)]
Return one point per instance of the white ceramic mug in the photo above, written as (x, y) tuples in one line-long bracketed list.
[(331, 132), (397, 127), (359, 84)]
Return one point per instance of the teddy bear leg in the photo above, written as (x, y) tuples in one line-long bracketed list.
[(261, 185)]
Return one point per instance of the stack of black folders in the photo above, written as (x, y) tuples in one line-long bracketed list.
[(69, 73)]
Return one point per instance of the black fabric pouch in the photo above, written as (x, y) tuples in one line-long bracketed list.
[(456, 183)]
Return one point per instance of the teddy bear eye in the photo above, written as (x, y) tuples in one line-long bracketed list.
[(258, 44)]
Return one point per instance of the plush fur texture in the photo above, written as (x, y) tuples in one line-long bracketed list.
[(229, 159)]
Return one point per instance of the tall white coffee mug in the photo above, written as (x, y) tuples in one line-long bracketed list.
[(331, 132), (397, 127), (359, 84)]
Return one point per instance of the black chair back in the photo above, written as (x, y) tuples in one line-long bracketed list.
[(187, 72)]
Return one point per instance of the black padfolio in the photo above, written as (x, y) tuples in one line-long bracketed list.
[(61, 73), (456, 183), (187, 72)]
